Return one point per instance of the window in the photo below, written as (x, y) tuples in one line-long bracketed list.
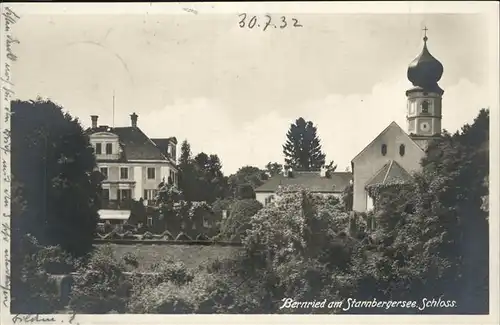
[(384, 149), (402, 150), (124, 173), (171, 178), (109, 148), (105, 193), (124, 194), (150, 221), (150, 194), (206, 224), (104, 172), (425, 107), (98, 148), (151, 173)]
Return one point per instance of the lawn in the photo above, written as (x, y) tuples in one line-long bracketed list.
[(192, 255)]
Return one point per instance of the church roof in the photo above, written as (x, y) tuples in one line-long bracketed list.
[(391, 172), (393, 124), (312, 181), (425, 71)]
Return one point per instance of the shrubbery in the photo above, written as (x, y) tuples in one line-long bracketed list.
[(234, 227), (33, 287), (100, 286)]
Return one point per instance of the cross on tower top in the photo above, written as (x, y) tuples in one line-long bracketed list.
[(425, 33)]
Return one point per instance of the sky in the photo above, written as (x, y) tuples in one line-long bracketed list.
[(235, 91)]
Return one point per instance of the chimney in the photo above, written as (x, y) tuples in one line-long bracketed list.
[(94, 120), (133, 119)]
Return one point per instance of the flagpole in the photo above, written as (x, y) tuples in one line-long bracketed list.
[(113, 108)]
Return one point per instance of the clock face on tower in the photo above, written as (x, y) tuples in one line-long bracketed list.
[(425, 127)]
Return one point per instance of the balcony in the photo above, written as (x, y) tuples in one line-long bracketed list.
[(117, 204)]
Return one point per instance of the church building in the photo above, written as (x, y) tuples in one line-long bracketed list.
[(394, 154)]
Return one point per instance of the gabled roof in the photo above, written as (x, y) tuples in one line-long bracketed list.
[(312, 181), (162, 143), (392, 172), (393, 124), (134, 143)]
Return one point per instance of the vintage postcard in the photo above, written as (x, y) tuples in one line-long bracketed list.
[(246, 162)]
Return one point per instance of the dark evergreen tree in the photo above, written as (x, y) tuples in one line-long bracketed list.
[(303, 149), (187, 177), (53, 163)]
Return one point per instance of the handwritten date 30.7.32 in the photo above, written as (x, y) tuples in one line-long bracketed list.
[(267, 22)]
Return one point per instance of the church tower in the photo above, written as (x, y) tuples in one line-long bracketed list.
[(424, 98)]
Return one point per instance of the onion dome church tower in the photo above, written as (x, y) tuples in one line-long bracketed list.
[(424, 98)]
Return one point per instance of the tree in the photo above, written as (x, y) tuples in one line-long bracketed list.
[(302, 149), (273, 168), (187, 173), (296, 248), (53, 162), (235, 225), (245, 191), (432, 233), (348, 197), (185, 157), (210, 181), (247, 175)]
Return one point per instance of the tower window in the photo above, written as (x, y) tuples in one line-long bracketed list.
[(402, 150), (383, 149), (425, 107)]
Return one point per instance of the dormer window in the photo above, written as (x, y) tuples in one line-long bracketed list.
[(425, 107), (383, 149), (98, 148), (109, 148)]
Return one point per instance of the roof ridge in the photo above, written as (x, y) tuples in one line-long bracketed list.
[(375, 138), (388, 171), (152, 142), (376, 173)]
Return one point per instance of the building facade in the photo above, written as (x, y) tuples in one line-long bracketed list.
[(318, 182), (132, 164), (395, 154)]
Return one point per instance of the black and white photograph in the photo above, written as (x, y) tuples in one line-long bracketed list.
[(320, 159)]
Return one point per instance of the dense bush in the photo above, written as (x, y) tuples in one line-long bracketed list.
[(100, 286), (234, 227), (33, 289), (166, 289), (293, 249)]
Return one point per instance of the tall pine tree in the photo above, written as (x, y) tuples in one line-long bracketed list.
[(187, 177), (303, 149)]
